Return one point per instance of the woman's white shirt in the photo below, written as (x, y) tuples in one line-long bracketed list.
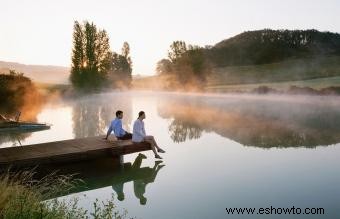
[(138, 133)]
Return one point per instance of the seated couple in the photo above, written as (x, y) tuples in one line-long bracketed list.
[(138, 134)]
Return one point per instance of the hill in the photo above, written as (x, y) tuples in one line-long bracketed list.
[(269, 46), (39, 73), (275, 58)]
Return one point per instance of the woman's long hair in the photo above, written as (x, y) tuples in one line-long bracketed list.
[(141, 113)]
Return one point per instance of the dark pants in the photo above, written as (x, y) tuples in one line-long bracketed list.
[(127, 136)]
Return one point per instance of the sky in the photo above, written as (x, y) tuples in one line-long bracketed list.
[(40, 31)]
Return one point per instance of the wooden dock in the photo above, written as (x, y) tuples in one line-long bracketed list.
[(67, 151)]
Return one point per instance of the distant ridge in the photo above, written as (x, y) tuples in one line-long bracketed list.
[(269, 46), (39, 73)]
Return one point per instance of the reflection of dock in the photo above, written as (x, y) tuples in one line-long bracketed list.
[(67, 151)]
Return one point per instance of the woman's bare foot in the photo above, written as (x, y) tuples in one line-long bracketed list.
[(160, 150), (157, 156)]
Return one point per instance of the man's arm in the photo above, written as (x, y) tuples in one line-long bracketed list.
[(108, 132)]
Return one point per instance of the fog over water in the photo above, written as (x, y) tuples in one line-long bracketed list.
[(222, 151)]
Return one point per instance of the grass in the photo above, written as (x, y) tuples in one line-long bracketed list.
[(156, 82), (287, 71), (312, 83), (23, 197), (52, 88)]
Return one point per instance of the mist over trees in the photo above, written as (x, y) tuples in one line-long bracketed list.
[(121, 68), (186, 66), (18, 93), (94, 64)]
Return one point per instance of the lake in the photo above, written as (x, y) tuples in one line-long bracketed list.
[(222, 151)]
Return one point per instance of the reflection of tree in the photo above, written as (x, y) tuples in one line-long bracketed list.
[(92, 115), (180, 131), (86, 120), (262, 123), (14, 137), (182, 126)]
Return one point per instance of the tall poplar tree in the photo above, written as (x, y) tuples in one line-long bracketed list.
[(91, 57)]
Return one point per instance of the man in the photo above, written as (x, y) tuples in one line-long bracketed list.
[(116, 127)]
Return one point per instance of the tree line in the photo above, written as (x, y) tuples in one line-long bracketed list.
[(269, 46), (94, 64), (189, 66)]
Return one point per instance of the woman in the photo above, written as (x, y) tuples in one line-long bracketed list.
[(139, 135)]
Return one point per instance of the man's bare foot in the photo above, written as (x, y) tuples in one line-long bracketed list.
[(157, 162), (160, 166)]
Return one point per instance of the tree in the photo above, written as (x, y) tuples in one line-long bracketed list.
[(103, 54), (163, 67), (121, 68), (91, 57), (198, 63), (126, 53), (13, 72), (177, 49), (18, 93), (121, 71), (187, 63), (77, 55)]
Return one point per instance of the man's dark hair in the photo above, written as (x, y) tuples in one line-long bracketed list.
[(141, 113), (119, 112)]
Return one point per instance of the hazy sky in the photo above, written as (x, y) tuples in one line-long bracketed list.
[(40, 31)]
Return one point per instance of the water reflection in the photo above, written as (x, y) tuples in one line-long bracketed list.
[(181, 130), (14, 137), (141, 177), (108, 172), (256, 122), (91, 115)]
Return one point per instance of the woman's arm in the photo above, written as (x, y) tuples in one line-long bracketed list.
[(143, 129)]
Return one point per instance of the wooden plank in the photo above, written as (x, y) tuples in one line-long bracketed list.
[(67, 151)]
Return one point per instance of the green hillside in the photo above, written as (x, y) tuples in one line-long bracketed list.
[(291, 70), (317, 84), (270, 46)]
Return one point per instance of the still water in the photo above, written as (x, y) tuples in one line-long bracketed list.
[(223, 151)]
